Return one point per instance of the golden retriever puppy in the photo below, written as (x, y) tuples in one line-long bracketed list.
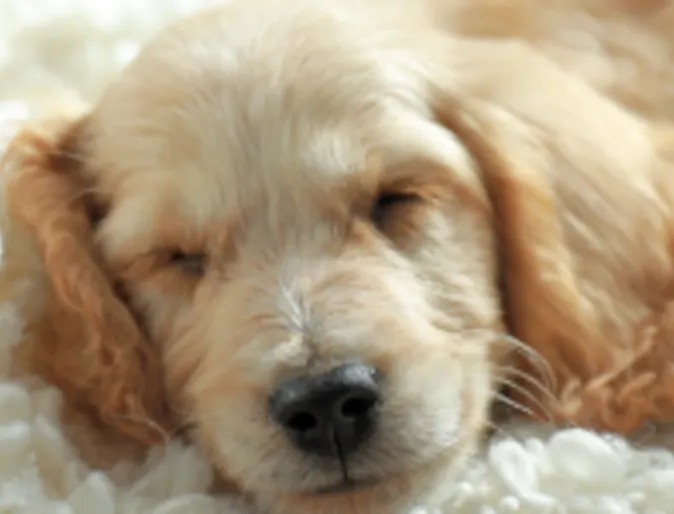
[(321, 237)]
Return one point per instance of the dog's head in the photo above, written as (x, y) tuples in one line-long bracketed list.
[(273, 228)]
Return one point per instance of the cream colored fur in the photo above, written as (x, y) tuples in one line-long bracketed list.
[(260, 134)]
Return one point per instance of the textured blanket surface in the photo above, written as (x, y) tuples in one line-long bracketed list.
[(47, 46)]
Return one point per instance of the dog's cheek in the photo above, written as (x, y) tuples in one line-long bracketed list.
[(155, 312), (457, 260)]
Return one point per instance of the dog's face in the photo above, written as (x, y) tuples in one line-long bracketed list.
[(308, 250), (292, 227)]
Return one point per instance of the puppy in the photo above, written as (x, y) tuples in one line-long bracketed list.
[(321, 238)]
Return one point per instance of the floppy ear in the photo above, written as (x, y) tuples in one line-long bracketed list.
[(597, 381), (80, 335)]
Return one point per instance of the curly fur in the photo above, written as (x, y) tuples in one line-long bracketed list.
[(84, 338), (542, 222)]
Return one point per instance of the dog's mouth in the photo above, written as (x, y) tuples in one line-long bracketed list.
[(346, 486)]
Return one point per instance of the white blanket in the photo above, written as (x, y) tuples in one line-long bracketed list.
[(52, 45)]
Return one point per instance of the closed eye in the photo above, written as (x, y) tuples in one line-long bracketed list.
[(189, 263), (386, 203)]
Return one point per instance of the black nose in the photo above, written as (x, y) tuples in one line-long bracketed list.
[(331, 414)]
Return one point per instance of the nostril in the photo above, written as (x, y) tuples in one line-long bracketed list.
[(301, 422), (329, 413), (357, 407)]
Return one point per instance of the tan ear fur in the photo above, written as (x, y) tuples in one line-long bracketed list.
[(597, 382), (82, 338)]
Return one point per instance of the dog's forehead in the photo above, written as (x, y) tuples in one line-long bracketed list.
[(222, 108)]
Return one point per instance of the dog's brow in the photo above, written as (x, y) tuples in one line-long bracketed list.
[(357, 189), (433, 180)]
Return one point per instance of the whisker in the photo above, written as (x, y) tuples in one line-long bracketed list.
[(167, 435), (509, 402), (500, 430), (533, 357), (533, 399), (509, 371)]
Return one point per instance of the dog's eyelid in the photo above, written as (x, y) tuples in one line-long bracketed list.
[(390, 198), (193, 263), (387, 200), (96, 212)]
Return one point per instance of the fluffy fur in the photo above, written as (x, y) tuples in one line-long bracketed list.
[(533, 213)]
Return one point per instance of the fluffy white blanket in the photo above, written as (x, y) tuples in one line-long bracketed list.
[(50, 45)]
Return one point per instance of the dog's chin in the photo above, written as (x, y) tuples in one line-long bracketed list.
[(345, 487), (390, 495), (383, 495)]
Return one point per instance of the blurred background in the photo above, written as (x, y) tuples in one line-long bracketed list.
[(48, 46), (55, 48)]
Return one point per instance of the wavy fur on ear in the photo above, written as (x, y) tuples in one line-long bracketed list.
[(596, 381), (83, 338)]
